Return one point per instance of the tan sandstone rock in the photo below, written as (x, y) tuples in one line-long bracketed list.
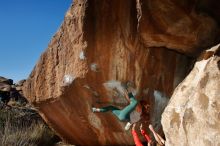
[(192, 116), (175, 25), (104, 43)]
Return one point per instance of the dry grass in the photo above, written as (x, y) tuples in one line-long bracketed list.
[(17, 130)]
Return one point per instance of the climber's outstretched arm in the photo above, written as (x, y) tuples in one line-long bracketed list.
[(157, 137), (135, 136), (146, 136)]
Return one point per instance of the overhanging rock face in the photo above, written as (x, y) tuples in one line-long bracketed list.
[(103, 43)]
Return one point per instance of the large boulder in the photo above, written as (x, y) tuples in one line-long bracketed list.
[(5, 87), (11, 92), (6, 81), (192, 116), (102, 44)]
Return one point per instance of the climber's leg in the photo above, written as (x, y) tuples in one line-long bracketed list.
[(108, 108), (113, 109), (105, 109), (125, 112)]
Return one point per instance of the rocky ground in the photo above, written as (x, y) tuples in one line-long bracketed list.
[(11, 93), (20, 123)]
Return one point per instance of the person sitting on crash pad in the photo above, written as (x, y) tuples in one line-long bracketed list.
[(121, 114)]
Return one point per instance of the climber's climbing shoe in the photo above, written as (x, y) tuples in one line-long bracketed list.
[(95, 109)]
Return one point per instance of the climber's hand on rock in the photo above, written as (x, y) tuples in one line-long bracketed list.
[(133, 127), (141, 127)]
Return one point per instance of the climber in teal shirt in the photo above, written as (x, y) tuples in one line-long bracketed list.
[(122, 114)]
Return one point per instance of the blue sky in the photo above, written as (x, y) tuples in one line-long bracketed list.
[(26, 27)]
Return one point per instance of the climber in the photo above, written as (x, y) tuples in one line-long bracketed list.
[(122, 114), (135, 136), (157, 137)]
